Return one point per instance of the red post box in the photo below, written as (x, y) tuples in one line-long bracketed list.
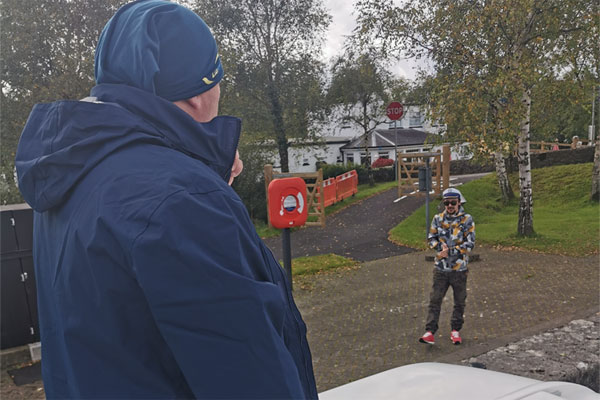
[(287, 202)]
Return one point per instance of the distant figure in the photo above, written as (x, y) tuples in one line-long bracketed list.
[(576, 143), (555, 145), (152, 281), (452, 235)]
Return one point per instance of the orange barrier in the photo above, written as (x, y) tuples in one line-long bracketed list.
[(347, 184), (330, 191)]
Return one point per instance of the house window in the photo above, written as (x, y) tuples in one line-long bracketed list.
[(350, 158), (365, 159), (415, 119), (305, 162), (384, 154)]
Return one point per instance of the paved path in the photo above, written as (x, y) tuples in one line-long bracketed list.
[(359, 231)]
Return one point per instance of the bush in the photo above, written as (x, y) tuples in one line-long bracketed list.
[(250, 185), (385, 174), (333, 170), (382, 162)]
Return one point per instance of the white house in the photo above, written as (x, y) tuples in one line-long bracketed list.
[(383, 143), (346, 143), (303, 157)]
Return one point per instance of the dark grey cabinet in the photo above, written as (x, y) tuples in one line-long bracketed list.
[(18, 302)]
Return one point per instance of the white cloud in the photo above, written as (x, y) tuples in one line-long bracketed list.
[(342, 24)]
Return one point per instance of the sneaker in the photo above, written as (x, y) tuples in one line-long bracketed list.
[(455, 337), (427, 338)]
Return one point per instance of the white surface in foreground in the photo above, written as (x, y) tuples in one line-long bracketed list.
[(446, 381)]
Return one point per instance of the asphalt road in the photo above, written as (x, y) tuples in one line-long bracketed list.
[(360, 231)]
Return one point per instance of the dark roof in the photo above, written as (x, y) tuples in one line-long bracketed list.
[(404, 137)]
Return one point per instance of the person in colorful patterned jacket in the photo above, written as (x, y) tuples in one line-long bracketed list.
[(452, 235)]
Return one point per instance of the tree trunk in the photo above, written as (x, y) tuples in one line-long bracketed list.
[(368, 161), (595, 195), (277, 115), (365, 126), (503, 183), (525, 227)]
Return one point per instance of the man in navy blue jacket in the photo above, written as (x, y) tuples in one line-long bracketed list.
[(152, 281)]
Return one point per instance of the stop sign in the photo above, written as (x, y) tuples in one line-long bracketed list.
[(394, 111)]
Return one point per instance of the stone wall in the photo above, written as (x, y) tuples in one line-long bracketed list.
[(569, 353), (538, 160)]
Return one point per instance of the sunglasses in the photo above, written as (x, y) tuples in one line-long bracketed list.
[(450, 202)]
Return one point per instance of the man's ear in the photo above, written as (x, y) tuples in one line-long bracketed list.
[(190, 106), (203, 107), (195, 102), (195, 107), (184, 105)]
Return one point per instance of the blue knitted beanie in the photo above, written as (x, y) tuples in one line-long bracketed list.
[(160, 47)]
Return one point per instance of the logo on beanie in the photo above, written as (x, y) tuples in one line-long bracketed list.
[(215, 73)]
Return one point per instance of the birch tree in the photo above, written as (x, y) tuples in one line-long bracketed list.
[(488, 55)]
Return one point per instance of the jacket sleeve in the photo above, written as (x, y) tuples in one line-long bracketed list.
[(468, 237), (433, 238), (213, 298)]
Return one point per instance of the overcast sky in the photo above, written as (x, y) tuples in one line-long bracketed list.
[(342, 24)]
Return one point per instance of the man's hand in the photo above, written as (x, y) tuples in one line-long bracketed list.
[(236, 168), (444, 252)]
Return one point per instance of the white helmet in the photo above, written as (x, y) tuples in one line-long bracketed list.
[(453, 193)]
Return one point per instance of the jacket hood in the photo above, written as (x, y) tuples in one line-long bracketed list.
[(63, 141)]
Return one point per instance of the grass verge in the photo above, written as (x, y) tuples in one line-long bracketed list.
[(318, 264), (304, 267), (564, 219)]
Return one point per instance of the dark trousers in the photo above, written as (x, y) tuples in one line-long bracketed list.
[(441, 282)]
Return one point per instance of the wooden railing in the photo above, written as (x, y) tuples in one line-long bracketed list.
[(542, 147)]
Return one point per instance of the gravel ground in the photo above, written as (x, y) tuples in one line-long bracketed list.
[(567, 353), (367, 320)]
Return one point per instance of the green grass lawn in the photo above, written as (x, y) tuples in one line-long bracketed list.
[(564, 219), (320, 263)]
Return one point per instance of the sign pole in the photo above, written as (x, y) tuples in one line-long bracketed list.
[(396, 150), (427, 185), (287, 254), (395, 111)]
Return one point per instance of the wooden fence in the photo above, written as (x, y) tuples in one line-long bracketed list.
[(315, 201)]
